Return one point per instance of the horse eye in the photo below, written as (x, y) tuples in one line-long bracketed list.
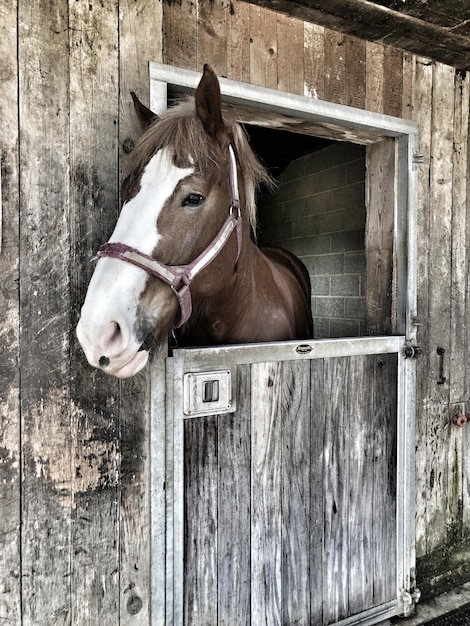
[(193, 200)]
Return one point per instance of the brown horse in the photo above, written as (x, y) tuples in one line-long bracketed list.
[(181, 255)]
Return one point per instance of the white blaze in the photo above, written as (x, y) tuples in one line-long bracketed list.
[(115, 287)]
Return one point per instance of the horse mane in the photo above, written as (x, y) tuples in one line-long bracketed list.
[(182, 131)]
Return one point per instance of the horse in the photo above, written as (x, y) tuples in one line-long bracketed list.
[(183, 256)]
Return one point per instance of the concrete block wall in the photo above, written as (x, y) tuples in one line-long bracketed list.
[(318, 212)]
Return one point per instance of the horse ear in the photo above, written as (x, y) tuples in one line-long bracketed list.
[(145, 116), (209, 105)]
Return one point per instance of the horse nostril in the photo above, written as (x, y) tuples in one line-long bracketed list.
[(147, 343), (104, 361), (117, 331)]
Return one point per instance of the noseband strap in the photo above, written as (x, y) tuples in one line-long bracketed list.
[(179, 277)]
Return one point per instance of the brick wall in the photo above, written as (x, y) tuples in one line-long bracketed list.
[(319, 214)]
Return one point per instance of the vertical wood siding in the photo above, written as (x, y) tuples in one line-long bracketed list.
[(338, 68), (10, 426), (295, 492), (74, 466), (73, 545)]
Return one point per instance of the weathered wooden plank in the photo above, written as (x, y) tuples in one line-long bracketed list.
[(379, 242), (355, 72), (238, 42), (180, 35), (10, 425), (294, 414), (201, 495), (457, 478), (263, 49), (393, 81), (335, 67), (458, 373), (44, 312), (266, 538), (466, 434), (421, 113), (374, 77), (382, 424), (94, 106), (440, 225), (409, 66), (234, 508), (336, 489), (360, 462), (440, 273), (290, 44), (212, 30), (380, 24), (319, 416), (314, 60), (134, 566), (140, 40), (465, 512)]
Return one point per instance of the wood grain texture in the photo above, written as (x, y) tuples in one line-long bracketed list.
[(300, 527), (234, 508), (380, 238), (201, 489), (380, 24), (238, 42), (374, 77), (458, 373), (335, 67), (84, 545), (422, 109), (314, 60), (44, 313), (440, 269), (10, 425), (290, 45), (140, 39), (383, 463), (263, 47), (355, 78), (319, 417), (296, 414), (336, 487), (180, 35), (393, 81), (362, 514), (212, 31), (266, 532), (95, 449)]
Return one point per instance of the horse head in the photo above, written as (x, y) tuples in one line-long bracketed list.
[(179, 236)]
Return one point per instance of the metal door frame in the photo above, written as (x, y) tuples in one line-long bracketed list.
[(166, 438)]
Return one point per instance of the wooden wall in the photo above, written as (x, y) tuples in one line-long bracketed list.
[(74, 462), (249, 43), (74, 497)]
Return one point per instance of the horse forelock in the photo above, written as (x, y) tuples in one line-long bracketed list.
[(181, 131)]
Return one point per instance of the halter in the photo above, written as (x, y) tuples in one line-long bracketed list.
[(179, 277)]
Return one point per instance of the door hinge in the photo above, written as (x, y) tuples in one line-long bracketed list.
[(412, 351)]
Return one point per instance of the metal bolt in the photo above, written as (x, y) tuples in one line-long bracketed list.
[(128, 145), (134, 605)]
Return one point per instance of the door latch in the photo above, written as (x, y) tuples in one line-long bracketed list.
[(207, 393)]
